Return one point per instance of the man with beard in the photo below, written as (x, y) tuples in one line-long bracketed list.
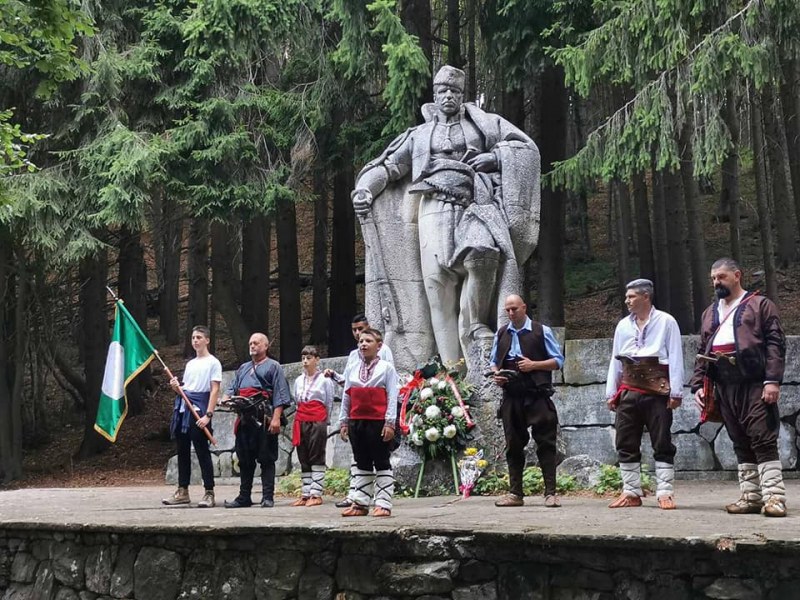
[(742, 350), (257, 428), (644, 386)]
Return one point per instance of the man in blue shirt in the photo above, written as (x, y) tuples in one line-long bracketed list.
[(531, 351)]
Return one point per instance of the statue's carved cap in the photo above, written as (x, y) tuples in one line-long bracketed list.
[(450, 76)]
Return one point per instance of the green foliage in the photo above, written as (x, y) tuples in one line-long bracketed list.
[(337, 483), (494, 483), (678, 59), (611, 479)]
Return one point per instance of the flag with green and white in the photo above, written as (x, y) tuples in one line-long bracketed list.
[(128, 353)]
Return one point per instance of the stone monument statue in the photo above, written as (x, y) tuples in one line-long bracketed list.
[(449, 213)]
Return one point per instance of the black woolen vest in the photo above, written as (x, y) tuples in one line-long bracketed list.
[(532, 345)]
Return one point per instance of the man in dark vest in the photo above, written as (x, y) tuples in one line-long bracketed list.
[(524, 354)]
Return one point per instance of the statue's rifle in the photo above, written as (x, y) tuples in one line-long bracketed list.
[(390, 310)]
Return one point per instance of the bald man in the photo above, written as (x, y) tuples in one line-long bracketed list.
[(531, 351), (257, 429)]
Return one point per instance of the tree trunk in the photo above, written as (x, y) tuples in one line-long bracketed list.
[(729, 196), (319, 278), (416, 17), (578, 214), (223, 283), (551, 237), (624, 199), (661, 243), (93, 342), (342, 304), (255, 273), (644, 234), (197, 275), (679, 300), (617, 192), (170, 267), (291, 340), (454, 58), (790, 99), (472, 67), (10, 409), (132, 288), (778, 176), (764, 220), (694, 221), (514, 108)]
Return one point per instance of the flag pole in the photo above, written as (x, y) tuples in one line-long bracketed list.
[(186, 400)]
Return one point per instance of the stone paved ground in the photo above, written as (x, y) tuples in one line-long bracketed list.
[(700, 515)]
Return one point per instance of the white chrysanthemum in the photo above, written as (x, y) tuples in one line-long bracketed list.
[(416, 438), (432, 434), (433, 381), (442, 385), (457, 411), (432, 411), (417, 421), (426, 393), (450, 431)]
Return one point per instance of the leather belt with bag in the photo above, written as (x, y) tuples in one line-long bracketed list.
[(646, 374)]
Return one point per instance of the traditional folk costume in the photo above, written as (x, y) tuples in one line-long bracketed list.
[(745, 338), (353, 360), (314, 397), (253, 440), (527, 401), (646, 369), (200, 372), (369, 402)]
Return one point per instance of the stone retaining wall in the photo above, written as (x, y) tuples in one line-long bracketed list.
[(587, 427), (403, 565)]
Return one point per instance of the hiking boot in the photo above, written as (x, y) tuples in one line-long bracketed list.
[(552, 501), (267, 503), (181, 496), (510, 500), (208, 500), (775, 507), (743, 506)]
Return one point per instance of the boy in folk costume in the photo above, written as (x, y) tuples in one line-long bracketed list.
[(314, 396), (367, 419)]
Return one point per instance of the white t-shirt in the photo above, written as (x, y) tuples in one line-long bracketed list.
[(199, 374)]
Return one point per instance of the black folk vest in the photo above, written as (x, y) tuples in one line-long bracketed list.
[(532, 345)]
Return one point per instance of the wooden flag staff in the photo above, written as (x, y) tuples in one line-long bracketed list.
[(183, 395)]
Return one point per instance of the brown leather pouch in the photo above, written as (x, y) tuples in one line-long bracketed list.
[(648, 375), (710, 412)]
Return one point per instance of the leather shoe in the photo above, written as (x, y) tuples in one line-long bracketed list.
[(238, 502), (314, 501), (379, 511), (510, 500), (667, 502), (775, 507), (626, 501), (744, 507), (300, 502), (267, 503), (355, 510), (344, 503)]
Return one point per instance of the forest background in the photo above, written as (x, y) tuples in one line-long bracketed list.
[(198, 157)]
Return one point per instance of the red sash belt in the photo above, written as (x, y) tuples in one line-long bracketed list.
[(625, 387), (724, 348), (307, 412), (368, 403)]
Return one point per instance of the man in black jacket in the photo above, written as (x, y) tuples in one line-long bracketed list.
[(530, 350)]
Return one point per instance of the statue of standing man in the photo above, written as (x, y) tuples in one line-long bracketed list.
[(450, 213)]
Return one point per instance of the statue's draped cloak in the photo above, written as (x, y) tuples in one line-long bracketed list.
[(505, 203)]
